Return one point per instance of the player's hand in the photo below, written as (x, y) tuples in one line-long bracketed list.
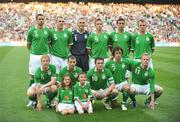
[(152, 105), (39, 107)]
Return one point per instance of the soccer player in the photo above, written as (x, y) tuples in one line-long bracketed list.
[(82, 95), (45, 78), (78, 48), (121, 38), (60, 44), (72, 70), (142, 42), (102, 83), (37, 43), (118, 68), (143, 82), (98, 43), (64, 99)]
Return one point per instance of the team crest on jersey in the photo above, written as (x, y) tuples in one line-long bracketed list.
[(76, 75), (70, 92), (45, 32), (113, 67), (96, 39), (55, 36), (125, 36), (116, 38), (42, 77), (49, 72), (137, 41), (65, 35), (123, 65), (35, 34), (85, 36), (146, 74), (103, 76), (147, 39), (94, 77)]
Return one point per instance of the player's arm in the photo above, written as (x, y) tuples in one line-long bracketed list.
[(57, 99), (129, 41), (152, 44), (29, 38), (133, 43), (70, 40), (111, 82), (152, 89), (89, 44)]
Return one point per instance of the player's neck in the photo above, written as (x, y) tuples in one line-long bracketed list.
[(80, 30), (144, 66), (120, 30), (99, 70), (142, 32), (39, 27), (45, 68), (59, 29), (118, 60), (71, 68), (98, 31), (66, 87)]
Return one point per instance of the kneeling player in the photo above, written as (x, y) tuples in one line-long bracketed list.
[(45, 78), (82, 95), (102, 83), (143, 82), (64, 97)]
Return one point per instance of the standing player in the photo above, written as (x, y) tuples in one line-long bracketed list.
[(143, 82), (118, 68), (142, 42), (78, 48), (37, 43), (60, 43), (97, 43), (45, 78), (82, 95), (102, 83), (121, 38), (72, 70)]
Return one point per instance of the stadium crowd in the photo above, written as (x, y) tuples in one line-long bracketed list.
[(16, 18)]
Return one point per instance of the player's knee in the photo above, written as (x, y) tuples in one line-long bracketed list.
[(132, 90), (30, 92), (90, 111), (53, 88), (80, 111), (71, 111), (126, 88), (159, 90), (64, 112), (31, 77), (115, 92)]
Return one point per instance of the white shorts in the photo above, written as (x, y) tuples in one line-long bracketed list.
[(101, 92), (78, 106), (65, 106), (150, 62), (120, 85), (143, 89), (34, 63), (92, 62), (128, 74), (34, 85), (58, 62)]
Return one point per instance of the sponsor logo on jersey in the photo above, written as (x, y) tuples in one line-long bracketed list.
[(35, 34), (65, 35), (45, 32), (76, 75), (55, 36), (49, 72), (125, 36), (146, 74), (123, 65), (147, 39), (105, 36), (94, 77), (96, 39), (137, 41), (103, 76)]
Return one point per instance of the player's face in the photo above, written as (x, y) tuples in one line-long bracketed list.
[(82, 78), (81, 24), (120, 24), (60, 23), (145, 60), (99, 64), (67, 81), (72, 62), (142, 26), (40, 20), (45, 61), (99, 25), (118, 54)]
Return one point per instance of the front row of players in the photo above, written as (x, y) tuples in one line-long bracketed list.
[(73, 89)]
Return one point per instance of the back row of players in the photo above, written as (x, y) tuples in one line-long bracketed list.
[(103, 83)]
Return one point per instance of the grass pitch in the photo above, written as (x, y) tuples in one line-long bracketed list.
[(14, 83)]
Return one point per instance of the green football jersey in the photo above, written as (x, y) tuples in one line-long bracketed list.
[(82, 92), (98, 43), (141, 76), (100, 80), (38, 39), (118, 69), (122, 40), (142, 44), (44, 77), (65, 95), (60, 41), (73, 74)]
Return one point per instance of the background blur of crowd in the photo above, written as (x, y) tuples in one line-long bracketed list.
[(163, 20)]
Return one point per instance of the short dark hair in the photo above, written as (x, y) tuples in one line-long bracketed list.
[(96, 59), (119, 19), (98, 19), (38, 15), (82, 73), (117, 48), (141, 20), (71, 57)]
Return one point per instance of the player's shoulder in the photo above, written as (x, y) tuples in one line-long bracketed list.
[(52, 66), (149, 34), (78, 69), (113, 33)]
